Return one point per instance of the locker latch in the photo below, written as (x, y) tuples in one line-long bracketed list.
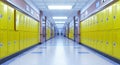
[(107, 19), (101, 41), (9, 18), (8, 43), (101, 20), (107, 43), (14, 42), (114, 44), (1, 45), (114, 17), (1, 15)]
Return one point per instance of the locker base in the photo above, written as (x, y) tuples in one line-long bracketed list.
[(16, 54), (110, 57)]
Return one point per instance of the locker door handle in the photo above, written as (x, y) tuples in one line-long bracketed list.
[(1, 15), (101, 42), (8, 43), (96, 41), (97, 22), (114, 44), (106, 19), (101, 20), (1, 45), (107, 43), (9, 18), (14, 42), (114, 17)]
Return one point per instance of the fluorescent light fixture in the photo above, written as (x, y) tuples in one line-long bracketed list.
[(60, 7), (60, 17), (59, 22)]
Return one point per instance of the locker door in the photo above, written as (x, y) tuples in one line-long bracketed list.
[(109, 42), (106, 13), (17, 22), (116, 15), (21, 41), (21, 22), (10, 42), (109, 19), (27, 36), (103, 20), (10, 19), (116, 43), (3, 15), (98, 40), (0, 44), (95, 40), (16, 41), (102, 42), (25, 39), (92, 21), (4, 44), (90, 24), (95, 22)]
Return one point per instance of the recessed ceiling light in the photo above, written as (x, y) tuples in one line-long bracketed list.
[(60, 17), (60, 7), (59, 22)]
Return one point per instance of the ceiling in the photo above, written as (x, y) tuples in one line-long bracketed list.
[(76, 6)]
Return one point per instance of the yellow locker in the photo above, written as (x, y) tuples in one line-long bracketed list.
[(102, 41), (17, 22), (116, 43), (3, 15), (116, 15), (10, 42), (30, 24), (109, 20), (98, 20), (86, 23), (0, 44), (36, 26), (28, 39), (108, 39), (102, 17), (91, 38), (25, 23), (25, 39), (98, 40), (21, 40), (95, 22), (4, 44), (22, 22), (10, 15), (95, 39), (16, 41), (92, 23)]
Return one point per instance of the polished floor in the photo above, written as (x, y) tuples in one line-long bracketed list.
[(60, 51)]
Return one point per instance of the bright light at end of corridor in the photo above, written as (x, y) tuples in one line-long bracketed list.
[(59, 17), (60, 7)]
